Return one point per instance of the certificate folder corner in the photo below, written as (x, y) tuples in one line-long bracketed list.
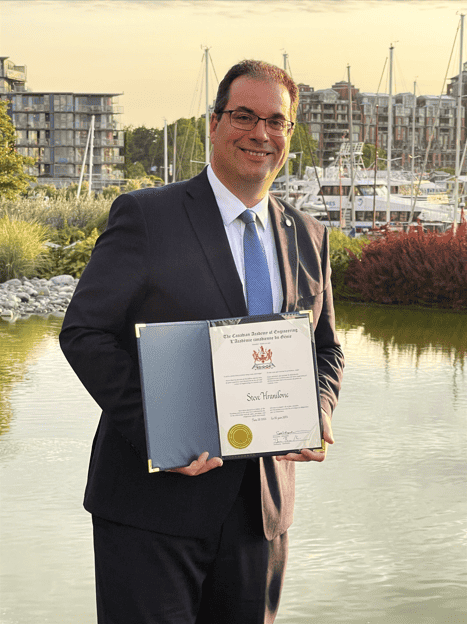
[(152, 469), (138, 328)]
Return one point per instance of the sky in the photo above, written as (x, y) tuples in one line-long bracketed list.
[(151, 51)]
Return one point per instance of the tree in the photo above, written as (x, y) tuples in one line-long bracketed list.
[(142, 145), (135, 170), (303, 142), (13, 178), (369, 156), (144, 149)]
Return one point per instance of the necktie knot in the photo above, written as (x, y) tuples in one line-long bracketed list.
[(248, 216)]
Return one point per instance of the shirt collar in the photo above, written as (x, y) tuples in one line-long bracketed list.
[(230, 206)]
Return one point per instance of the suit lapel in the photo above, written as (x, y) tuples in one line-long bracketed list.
[(287, 253), (205, 217)]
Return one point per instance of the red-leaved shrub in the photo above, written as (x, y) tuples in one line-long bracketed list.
[(415, 267)]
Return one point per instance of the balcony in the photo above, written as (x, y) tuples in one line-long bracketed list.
[(97, 109)]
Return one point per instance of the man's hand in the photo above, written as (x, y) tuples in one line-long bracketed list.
[(306, 455), (199, 466)]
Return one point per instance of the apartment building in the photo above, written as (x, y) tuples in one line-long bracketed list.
[(326, 111), (53, 129)]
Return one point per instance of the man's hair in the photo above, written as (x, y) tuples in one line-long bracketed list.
[(257, 70)]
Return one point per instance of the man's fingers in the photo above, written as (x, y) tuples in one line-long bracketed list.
[(199, 466)]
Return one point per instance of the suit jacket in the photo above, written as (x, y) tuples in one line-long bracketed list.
[(165, 257)]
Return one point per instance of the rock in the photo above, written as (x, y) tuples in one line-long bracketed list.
[(20, 299), (63, 280), (14, 283)]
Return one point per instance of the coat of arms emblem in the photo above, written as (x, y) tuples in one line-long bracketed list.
[(262, 358)]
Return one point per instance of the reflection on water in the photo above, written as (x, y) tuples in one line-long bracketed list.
[(411, 331), (21, 343), (380, 527)]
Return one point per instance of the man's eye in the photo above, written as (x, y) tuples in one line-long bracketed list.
[(277, 124), (243, 117)]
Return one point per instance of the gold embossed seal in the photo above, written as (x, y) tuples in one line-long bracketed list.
[(240, 436)]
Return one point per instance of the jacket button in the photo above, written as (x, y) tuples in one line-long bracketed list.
[(288, 222)]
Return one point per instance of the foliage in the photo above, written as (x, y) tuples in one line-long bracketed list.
[(111, 192), (22, 250), (71, 191), (43, 190), (415, 267), (141, 146), (340, 247), (72, 258), (303, 142), (369, 151), (70, 250), (13, 178), (58, 211), (135, 170), (449, 170), (144, 149)]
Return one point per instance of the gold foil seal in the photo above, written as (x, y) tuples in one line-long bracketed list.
[(240, 436)]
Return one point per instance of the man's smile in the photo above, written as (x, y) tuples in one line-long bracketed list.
[(254, 152)]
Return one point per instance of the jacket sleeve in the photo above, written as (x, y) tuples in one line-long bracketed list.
[(109, 292), (330, 356)]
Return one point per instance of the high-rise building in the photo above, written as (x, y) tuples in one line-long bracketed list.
[(326, 112), (53, 129)]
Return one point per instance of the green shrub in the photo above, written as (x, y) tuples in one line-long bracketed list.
[(71, 259), (340, 246), (111, 192), (22, 250)]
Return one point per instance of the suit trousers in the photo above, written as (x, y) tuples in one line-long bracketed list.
[(232, 577)]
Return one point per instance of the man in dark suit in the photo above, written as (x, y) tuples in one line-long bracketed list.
[(206, 543)]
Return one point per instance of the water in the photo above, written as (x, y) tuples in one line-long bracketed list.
[(380, 528)]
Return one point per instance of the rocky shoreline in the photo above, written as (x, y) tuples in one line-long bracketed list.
[(22, 298)]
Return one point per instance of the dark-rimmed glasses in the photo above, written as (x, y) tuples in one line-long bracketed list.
[(247, 121)]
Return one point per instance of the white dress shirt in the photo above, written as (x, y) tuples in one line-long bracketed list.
[(231, 208)]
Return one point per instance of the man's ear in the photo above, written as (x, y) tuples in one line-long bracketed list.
[(214, 122)]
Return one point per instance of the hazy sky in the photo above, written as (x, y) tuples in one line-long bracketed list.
[(151, 51)]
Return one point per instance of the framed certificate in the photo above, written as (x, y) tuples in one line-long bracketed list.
[(242, 387)]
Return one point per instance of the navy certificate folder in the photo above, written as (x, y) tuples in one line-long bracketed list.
[(178, 392)]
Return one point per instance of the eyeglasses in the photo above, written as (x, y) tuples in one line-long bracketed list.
[(247, 121)]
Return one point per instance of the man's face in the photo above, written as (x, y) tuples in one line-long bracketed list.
[(245, 159)]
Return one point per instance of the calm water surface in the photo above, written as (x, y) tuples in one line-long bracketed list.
[(380, 528)]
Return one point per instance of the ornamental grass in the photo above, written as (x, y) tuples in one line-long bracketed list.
[(413, 268), (22, 250)]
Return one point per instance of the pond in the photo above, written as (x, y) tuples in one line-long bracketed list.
[(380, 527)]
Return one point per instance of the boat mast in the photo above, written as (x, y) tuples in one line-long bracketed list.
[(458, 129), (81, 175), (174, 174), (166, 168), (413, 145), (352, 186), (91, 155), (388, 202), (286, 170), (206, 137)]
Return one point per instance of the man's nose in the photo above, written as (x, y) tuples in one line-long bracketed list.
[(259, 131)]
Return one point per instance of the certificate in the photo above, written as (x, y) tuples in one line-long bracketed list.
[(265, 385), (241, 387)]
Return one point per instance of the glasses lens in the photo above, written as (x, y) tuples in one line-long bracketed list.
[(243, 120), (247, 121), (278, 127)]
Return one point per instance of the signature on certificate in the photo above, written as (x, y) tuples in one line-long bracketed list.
[(290, 437)]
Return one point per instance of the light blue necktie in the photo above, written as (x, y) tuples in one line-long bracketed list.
[(258, 281)]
